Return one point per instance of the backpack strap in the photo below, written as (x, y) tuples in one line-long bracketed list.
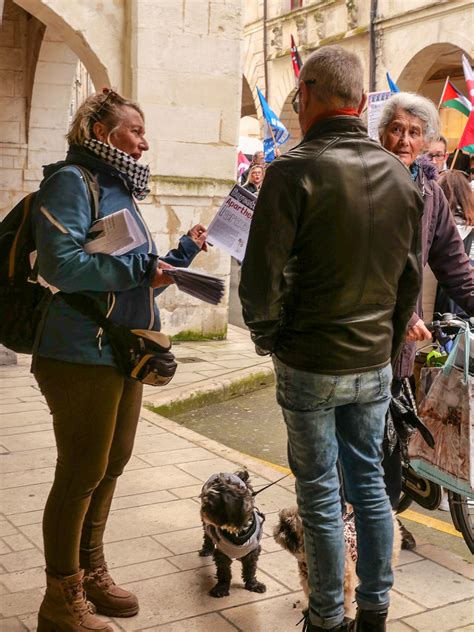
[(92, 189), (81, 305)]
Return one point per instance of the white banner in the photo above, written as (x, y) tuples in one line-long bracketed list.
[(375, 105)]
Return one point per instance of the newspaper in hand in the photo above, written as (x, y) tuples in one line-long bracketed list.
[(198, 284), (115, 234), (229, 230)]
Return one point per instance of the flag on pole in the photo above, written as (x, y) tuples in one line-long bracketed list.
[(469, 75), (391, 84), (242, 163), (466, 142), (295, 60), (275, 133), (452, 98)]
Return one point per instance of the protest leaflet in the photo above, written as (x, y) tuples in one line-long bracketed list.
[(115, 234), (229, 229), (375, 105)]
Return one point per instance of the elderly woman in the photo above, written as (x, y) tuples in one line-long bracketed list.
[(95, 408), (408, 123)]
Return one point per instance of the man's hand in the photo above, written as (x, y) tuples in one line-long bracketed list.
[(418, 332), (198, 234), (160, 279)]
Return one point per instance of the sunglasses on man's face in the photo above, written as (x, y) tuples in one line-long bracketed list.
[(295, 102)]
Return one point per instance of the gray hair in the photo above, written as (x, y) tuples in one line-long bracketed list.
[(413, 104), (337, 75)]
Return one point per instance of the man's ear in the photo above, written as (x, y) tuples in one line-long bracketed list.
[(100, 131), (362, 104), (305, 96)]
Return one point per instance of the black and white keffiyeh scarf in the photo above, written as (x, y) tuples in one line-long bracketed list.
[(137, 175)]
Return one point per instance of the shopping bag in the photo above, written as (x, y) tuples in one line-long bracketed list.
[(447, 410)]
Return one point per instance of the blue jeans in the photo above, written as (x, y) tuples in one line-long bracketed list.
[(331, 417)]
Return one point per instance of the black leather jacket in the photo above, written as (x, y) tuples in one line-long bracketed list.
[(332, 268)]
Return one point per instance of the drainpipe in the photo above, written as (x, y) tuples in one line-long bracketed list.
[(372, 47), (265, 64)]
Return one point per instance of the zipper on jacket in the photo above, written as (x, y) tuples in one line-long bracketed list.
[(147, 232), (150, 249)]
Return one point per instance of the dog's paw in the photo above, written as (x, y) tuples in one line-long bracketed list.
[(219, 590), (206, 552), (255, 586)]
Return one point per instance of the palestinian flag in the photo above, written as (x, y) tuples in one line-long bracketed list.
[(295, 60), (466, 142), (452, 98)]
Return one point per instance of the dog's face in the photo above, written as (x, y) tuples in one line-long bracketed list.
[(288, 532), (227, 501)]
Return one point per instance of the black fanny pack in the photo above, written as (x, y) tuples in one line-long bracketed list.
[(140, 354)]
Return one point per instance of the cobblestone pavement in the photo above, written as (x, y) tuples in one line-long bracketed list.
[(154, 531)]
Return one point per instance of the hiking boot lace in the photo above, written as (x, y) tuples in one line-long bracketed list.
[(101, 575), (76, 596)]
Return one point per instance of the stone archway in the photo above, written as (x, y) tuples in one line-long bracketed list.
[(73, 26), (426, 73), (50, 100), (434, 62)]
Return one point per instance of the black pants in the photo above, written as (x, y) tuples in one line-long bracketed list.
[(392, 463)]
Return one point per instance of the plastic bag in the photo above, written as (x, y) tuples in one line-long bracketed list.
[(447, 410)]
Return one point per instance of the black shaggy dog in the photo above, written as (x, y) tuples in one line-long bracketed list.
[(233, 528)]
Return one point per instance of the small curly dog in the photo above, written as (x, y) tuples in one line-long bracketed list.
[(233, 528), (288, 533)]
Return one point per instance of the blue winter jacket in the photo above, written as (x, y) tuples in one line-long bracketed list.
[(61, 218)]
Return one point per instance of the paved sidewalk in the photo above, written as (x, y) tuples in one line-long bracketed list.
[(154, 531)]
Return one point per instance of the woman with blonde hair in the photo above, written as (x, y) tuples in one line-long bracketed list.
[(95, 408), (254, 179)]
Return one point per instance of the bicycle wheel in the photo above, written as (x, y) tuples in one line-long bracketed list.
[(462, 513), (423, 491)]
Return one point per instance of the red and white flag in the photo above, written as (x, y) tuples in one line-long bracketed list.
[(295, 60), (466, 142), (469, 75), (242, 163)]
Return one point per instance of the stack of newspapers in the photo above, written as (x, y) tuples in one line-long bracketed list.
[(198, 284)]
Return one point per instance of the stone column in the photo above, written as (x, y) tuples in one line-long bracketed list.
[(185, 71)]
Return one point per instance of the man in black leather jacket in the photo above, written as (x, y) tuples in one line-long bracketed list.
[(330, 278)]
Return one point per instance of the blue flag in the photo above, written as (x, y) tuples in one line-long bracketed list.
[(392, 85), (275, 133)]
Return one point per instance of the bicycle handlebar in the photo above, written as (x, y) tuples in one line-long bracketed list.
[(449, 324)]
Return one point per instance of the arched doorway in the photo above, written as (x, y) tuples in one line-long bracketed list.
[(40, 54), (426, 74)]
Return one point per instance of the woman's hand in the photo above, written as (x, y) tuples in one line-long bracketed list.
[(418, 332), (198, 234), (160, 279)]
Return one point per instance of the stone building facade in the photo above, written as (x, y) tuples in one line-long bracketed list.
[(181, 60), (418, 41)]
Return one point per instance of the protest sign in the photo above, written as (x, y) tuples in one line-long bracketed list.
[(375, 105), (230, 227)]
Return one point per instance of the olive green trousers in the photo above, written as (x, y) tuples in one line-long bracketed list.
[(95, 415)]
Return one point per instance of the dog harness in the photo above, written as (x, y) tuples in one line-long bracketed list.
[(237, 547), (234, 546)]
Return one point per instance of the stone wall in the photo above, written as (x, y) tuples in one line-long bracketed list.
[(181, 61)]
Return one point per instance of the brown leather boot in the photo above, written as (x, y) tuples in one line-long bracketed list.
[(65, 609), (107, 597)]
